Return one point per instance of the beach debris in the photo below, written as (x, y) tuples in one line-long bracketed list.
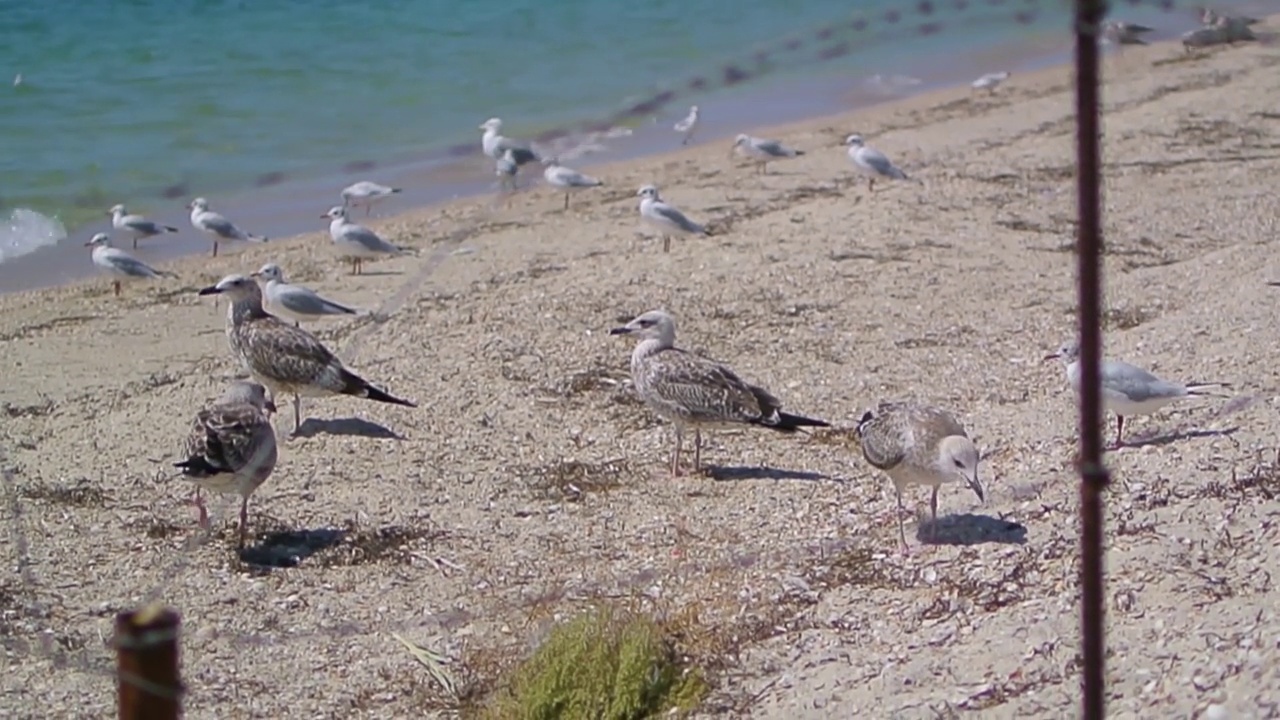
[(138, 226), (120, 264), (871, 163), (687, 125), (567, 179), (990, 81), (918, 444), (690, 391), (294, 302), (366, 193), (231, 448), (496, 145), (762, 150), (665, 218), (217, 227), (357, 241), (1127, 389), (284, 357)]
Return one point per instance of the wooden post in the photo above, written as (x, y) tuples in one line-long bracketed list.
[(147, 679)]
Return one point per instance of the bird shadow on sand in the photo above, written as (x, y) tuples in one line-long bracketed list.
[(1156, 439), (346, 426), (288, 548), (736, 472), (971, 529)]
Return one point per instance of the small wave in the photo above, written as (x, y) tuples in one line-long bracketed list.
[(26, 231)]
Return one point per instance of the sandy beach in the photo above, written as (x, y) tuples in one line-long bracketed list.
[(530, 482)]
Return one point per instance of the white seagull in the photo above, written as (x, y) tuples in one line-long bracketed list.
[(294, 302), (496, 145), (567, 179), (217, 227), (871, 163), (120, 264), (664, 218), (990, 81), (357, 241), (136, 225), (687, 125), (366, 193), (762, 150)]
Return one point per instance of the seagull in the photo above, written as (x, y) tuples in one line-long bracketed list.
[(218, 227), (567, 179), (293, 302), (231, 447), (871, 163), (119, 263), (1120, 32), (284, 357), (1233, 29), (137, 225), (690, 391), (366, 193), (506, 168), (762, 150), (990, 81), (496, 144), (665, 218), (357, 241), (917, 444), (687, 125), (1129, 390), (1210, 18), (1204, 37)]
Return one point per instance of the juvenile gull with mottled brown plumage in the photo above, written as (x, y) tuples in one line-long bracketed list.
[(231, 447), (692, 391), (917, 444), (283, 357)]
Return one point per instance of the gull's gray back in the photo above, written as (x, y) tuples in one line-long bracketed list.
[(677, 218), (1136, 384)]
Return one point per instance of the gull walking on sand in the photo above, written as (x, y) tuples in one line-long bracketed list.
[(1129, 390), (220, 229), (136, 225), (687, 125), (293, 302), (762, 150), (366, 193), (917, 444), (664, 218), (357, 241), (231, 448), (496, 144), (693, 392), (120, 264), (567, 179), (286, 358), (871, 163), (990, 81)]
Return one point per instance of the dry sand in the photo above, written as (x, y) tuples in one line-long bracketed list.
[(529, 481)]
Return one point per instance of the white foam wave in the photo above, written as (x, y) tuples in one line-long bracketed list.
[(26, 231)]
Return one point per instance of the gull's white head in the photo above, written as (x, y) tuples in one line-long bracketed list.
[(246, 391), (648, 191), (198, 204), (117, 210), (99, 240), (693, 110), (335, 212), (269, 272), (854, 140), (492, 124), (742, 139), (958, 455), (652, 325), (1068, 352), (235, 286)]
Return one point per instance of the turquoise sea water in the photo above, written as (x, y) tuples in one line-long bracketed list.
[(150, 102)]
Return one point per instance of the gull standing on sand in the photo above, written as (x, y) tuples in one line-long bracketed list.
[(567, 179), (871, 163), (693, 392), (688, 125), (1129, 390), (366, 193), (286, 358), (990, 81), (293, 302), (357, 241), (217, 227), (136, 225), (762, 150), (496, 144), (120, 264), (665, 218), (916, 444), (231, 448), (1120, 32)]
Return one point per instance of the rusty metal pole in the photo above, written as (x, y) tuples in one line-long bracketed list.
[(1093, 475), (147, 679)]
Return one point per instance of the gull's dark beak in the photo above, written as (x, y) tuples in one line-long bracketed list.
[(211, 290), (977, 489), (620, 331), (89, 244), (1047, 358)]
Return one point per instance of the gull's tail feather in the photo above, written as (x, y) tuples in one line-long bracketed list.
[(1200, 389), (788, 423), (396, 190), (355, 385), (169, 228)]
